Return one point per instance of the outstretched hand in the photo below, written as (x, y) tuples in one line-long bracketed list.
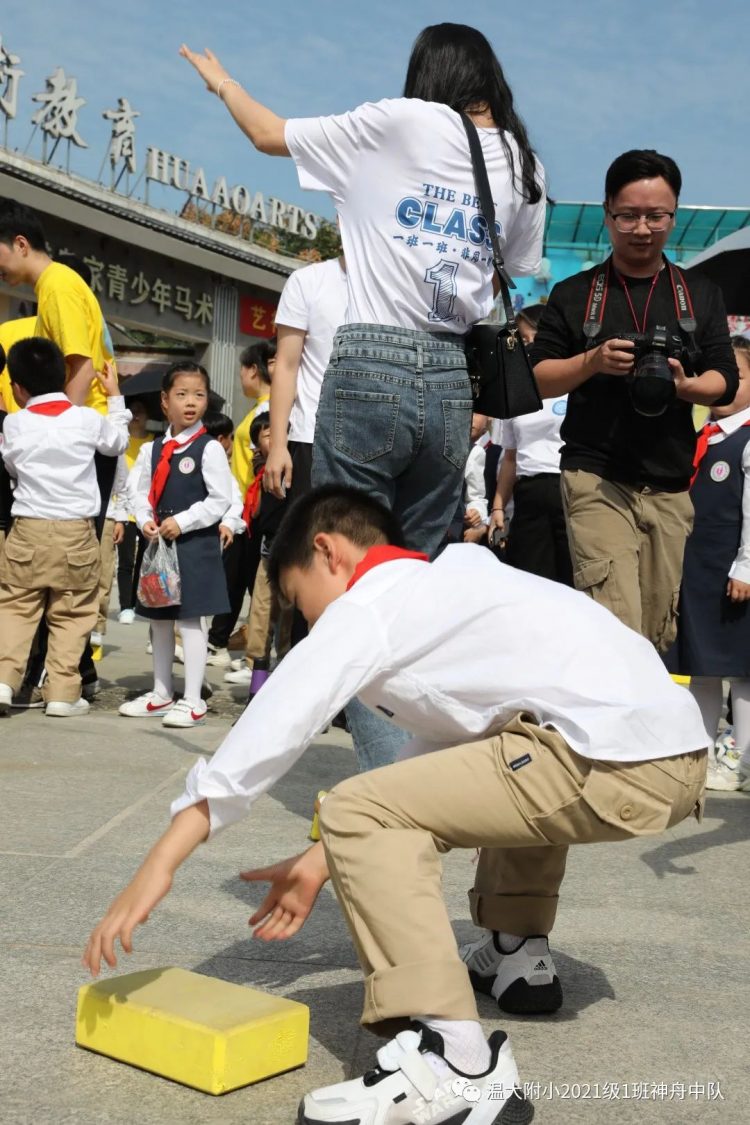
[(131, 908), (295, 885), (207, 65)]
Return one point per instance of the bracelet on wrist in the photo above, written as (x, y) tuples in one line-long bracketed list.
[(497, 509), (226, 82)]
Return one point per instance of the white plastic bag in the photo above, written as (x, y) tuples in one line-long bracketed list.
[(159, 583)]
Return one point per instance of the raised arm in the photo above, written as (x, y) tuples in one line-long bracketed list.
[(263, 127)]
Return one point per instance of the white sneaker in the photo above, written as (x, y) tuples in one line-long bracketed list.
[(149, 647), (723, 778), (146, 706), (413, 1082), (183, 714), (126, 616), (96, 640), (6, 698), (523, 982), (242, 676), (236, 665), (66, 710), (218, 657), (179, 655)]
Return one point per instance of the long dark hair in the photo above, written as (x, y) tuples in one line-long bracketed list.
[(454, 64)]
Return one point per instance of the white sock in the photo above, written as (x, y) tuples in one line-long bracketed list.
[(741, 714), (162, 644), (195, 651), (508, 942), (466, 1048)]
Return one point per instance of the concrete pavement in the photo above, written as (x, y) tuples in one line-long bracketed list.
[(652, 941)]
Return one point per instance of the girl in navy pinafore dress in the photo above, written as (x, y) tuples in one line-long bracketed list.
[(182, 489), (713, 635)]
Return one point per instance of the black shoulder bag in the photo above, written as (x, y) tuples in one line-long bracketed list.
[(502, 380)]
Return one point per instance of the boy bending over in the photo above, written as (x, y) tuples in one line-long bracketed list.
[(566, 731)]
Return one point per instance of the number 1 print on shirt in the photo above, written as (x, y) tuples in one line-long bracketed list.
[(442, 277)]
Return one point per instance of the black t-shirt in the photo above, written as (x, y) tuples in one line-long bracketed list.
[(602, 433)]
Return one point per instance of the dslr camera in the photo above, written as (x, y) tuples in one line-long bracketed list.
[(651, 382)]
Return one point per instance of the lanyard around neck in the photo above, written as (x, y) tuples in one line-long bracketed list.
[(638, 327)]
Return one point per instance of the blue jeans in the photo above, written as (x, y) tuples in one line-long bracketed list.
[(394, 420)]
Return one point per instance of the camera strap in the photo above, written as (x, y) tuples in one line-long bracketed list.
[(683, 304)]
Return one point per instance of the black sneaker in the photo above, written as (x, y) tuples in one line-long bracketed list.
[(524, 981)]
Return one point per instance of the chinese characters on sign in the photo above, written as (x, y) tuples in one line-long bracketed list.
[(9, 76), (122, 141), (114, 282), (58, 115), (257, 317), (57, 118)]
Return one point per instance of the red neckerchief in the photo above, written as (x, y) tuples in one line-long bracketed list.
[(51, 409), (253, 498), (377, 555), (161, 473), (701, 448)]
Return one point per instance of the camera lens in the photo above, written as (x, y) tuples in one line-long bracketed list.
[(652, 386)]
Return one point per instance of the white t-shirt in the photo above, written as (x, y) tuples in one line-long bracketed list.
[(314, 299), (536, 438), (416, 246)]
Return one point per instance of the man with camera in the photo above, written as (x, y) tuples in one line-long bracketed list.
[(635, 346)]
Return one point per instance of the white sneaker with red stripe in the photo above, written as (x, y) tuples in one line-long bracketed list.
[(185, 714), (413, 1083), (146, 706)]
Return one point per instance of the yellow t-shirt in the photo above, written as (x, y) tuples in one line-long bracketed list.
[(134, 448), (69, 313), (242, 450), (10, 333)]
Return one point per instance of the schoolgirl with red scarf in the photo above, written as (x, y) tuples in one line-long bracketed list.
[(182, 489)]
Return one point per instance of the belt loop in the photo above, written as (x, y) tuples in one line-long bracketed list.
[(420, 357)]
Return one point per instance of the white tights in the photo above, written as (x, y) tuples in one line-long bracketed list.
[(707, 691), (195, 648)]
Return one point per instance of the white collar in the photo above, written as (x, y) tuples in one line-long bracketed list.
[(733, 422), (186, 435)]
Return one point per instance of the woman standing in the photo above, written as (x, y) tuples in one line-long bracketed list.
[(395, 408)]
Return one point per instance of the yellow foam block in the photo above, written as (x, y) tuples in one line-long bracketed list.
[(194, 1029)]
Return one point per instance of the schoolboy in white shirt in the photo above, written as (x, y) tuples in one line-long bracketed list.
[(569, 731), (51, 562)]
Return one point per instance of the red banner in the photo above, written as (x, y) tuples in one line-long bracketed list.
[(257, 317)]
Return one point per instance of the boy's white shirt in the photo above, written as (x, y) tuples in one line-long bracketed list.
[(217, 477), (740, 568), (476, 490), (404, 642), (118, 507)]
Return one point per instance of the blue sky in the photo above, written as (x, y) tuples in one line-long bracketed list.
[(589, 79)]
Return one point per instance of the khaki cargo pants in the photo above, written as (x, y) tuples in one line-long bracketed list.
[(627, 544), (49, 567), (522, 797)]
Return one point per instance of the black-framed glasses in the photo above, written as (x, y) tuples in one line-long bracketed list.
[(628, 221)]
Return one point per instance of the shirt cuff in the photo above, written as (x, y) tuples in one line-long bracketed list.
[(740, 568), (116, 404), (221, 811)]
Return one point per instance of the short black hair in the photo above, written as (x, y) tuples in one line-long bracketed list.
[(37, 365), (333, 509), (217, 424), (184, 367), (258, 355), (18, 219), (77, 265), (641, 164), (260, 421)]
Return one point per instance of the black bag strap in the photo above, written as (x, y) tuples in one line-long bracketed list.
[(487, 207)]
